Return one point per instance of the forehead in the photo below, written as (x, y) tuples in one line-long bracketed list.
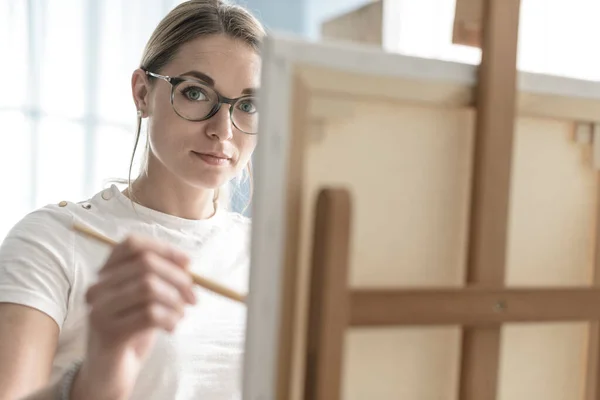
[(231, 63)]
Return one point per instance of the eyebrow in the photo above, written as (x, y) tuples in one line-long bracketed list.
[(205, 78)]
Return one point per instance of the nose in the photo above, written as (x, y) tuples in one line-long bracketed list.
[(219, 127)]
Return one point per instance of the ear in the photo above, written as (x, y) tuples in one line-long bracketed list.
[(140, 91)]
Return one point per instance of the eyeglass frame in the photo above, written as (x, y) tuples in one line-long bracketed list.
[(176, 80)]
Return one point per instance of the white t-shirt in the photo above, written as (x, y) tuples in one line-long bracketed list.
[(47, 266)]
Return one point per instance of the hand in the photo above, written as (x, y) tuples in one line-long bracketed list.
[(144, 286)]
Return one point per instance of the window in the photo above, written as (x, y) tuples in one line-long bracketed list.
[(556, 37), (67, 121)]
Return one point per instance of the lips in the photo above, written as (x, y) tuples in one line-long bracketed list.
[(216, 159), (218, 155)]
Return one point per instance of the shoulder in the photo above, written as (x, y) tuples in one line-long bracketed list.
[(52, 221), (37, 261), (44, 239), (43, 236), (57, 218), (46, 234)]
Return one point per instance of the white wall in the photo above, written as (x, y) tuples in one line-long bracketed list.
[(280, 15), (301, 17), (321, 10)]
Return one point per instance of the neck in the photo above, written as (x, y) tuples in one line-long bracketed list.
[(158, 189)]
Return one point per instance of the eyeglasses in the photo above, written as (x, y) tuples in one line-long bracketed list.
[(195, 100)]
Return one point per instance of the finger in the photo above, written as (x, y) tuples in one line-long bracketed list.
[(117, 277), (134, 245), (140, 269), (112, 281), (141, 318), (141, 292), (145, 317), (150, 263)]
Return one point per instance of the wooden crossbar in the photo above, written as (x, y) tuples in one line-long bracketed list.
[(472, 306), (334, 307)]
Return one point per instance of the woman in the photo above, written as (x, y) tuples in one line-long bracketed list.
[(82, 321)]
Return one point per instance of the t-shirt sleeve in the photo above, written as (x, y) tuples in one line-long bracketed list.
[(36, 262)]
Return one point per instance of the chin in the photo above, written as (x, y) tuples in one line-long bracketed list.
[(208, 180)]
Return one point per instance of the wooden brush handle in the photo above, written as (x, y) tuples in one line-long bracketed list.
[(217, 288), (198, 280)]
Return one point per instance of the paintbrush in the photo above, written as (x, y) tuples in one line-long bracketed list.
[(198, 280)]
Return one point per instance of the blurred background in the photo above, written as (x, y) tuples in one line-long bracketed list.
[(66, 115)]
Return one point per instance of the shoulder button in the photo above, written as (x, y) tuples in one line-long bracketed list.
[(106, 194), (62, 204)]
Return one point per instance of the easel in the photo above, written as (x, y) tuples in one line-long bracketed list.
[(335, 308), (484, 303)]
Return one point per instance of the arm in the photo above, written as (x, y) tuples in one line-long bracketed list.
[(141, 288), (28, 340), (36, 259), (31, 337)]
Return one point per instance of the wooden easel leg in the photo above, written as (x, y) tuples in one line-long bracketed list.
[(329, 296), (491, 187), (592, 381), (592, 391)]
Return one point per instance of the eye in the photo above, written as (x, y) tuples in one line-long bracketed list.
[(247, 106), (194, 93)]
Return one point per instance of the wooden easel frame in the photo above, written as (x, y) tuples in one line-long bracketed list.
[(495, 120), (484, 304), (294, 73), (335, 307)]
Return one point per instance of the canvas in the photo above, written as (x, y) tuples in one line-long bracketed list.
[(398, 133)]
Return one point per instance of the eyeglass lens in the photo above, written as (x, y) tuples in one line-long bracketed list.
[(195, 101)]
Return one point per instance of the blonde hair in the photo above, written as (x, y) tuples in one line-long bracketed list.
[(190, 20)]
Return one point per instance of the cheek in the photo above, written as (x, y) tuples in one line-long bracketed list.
[(167, 135), (167, 131), (246, 145)]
